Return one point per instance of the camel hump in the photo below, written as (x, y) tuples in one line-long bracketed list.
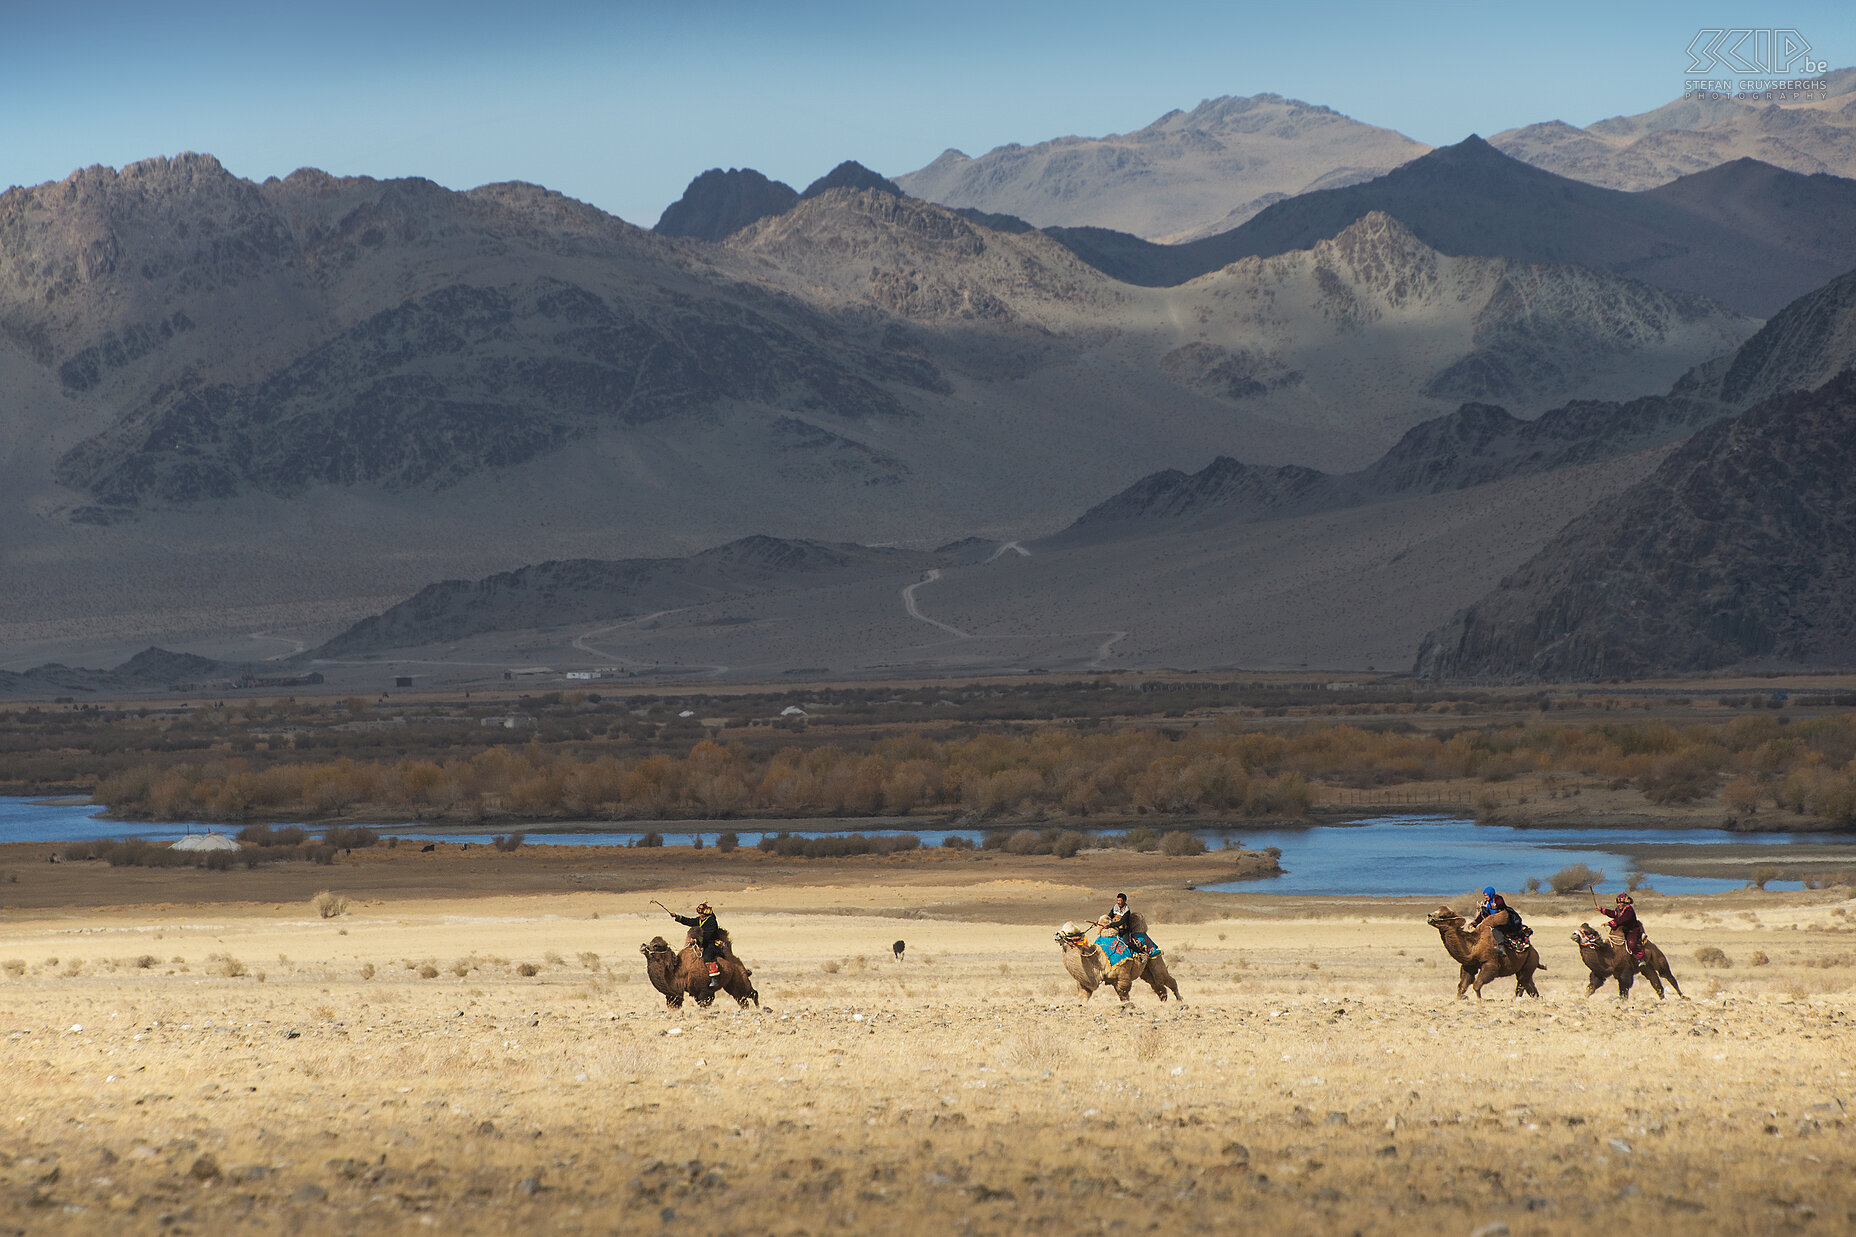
[(1137, 923)]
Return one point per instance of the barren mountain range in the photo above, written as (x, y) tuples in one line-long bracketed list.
[(1258, 567), (1187, 174), (1737, 550), (238, 417), (234, 406), (1807, 131), (1192, 175)]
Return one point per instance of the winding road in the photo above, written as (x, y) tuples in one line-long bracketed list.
[(908, 603)]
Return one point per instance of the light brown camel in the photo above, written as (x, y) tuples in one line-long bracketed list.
[(681, 974), (1611, 959), (1475, 955), (1090, 968)]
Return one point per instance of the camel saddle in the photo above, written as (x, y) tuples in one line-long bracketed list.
[(1117, 950), (1618, 940)]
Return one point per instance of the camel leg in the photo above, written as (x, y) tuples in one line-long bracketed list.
[(1649, 973), (1593, 984), (1670, 976), (1489, 971), (1463, 981)]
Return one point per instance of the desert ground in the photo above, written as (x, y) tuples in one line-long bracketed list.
[(191, 1051)]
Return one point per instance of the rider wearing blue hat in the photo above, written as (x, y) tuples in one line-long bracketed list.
[(1503, 918)]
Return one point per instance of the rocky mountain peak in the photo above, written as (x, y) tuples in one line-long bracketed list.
[(720, 203), (1383, 254), (851, 175)]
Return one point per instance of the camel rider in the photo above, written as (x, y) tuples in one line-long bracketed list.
[(1502, 917), (708, 934), (1624, 919), (1117, 921)]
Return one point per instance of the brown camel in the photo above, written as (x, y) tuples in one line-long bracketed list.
[(1611, 959), (1090, 968), (1475, 954), (681, 974)]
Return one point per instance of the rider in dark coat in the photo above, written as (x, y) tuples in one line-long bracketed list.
[(1118, 921), (708, 935), (1503, 918)]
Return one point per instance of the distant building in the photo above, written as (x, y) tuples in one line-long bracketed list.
[(793, 710), (404, 680)]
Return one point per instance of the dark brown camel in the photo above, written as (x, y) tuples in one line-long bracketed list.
[(1611, 959), (681, 974), (1475, 955)]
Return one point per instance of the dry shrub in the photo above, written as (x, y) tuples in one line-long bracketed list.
[(527, 970), (428, 971), (589, 960), (1032, 1049), (1180, 843), (1149, 1043), (145, 961), (1713, 956), (1758, 958), (367, 970), (14, 967), (328, 905), (1575, 877), (224, 965), (461, 967), (831, 966), (553, 958), (73, 968)]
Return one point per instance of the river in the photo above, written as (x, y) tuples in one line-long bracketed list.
[(1393, 855)]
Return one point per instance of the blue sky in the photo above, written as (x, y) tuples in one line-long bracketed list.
[(620, 104)]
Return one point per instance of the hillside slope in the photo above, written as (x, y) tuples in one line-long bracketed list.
[(1740, 549)]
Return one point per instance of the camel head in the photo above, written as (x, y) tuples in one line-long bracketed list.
[(656, 947), (1070, 936), (1444, 917), (1587, 937)]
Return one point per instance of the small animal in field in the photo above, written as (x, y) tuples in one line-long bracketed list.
[(428, 848), (897, 949)]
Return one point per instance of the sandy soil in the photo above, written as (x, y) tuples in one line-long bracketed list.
[(1319, 1078)]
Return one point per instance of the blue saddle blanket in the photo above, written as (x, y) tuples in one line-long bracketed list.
[(1117, 952)]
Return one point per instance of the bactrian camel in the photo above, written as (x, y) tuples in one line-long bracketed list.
[(680, 974), (1611, 959), (1090, 968), (1475, 955)]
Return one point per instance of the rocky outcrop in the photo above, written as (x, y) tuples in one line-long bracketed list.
[(1805, 344), (719, 204), (1740, 549)]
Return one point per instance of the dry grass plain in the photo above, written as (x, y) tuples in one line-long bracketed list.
[(391, 1069)]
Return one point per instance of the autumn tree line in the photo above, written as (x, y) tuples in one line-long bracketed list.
[(1753, 763)]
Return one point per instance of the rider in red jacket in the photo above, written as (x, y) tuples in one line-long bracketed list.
[(1623, 917)]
